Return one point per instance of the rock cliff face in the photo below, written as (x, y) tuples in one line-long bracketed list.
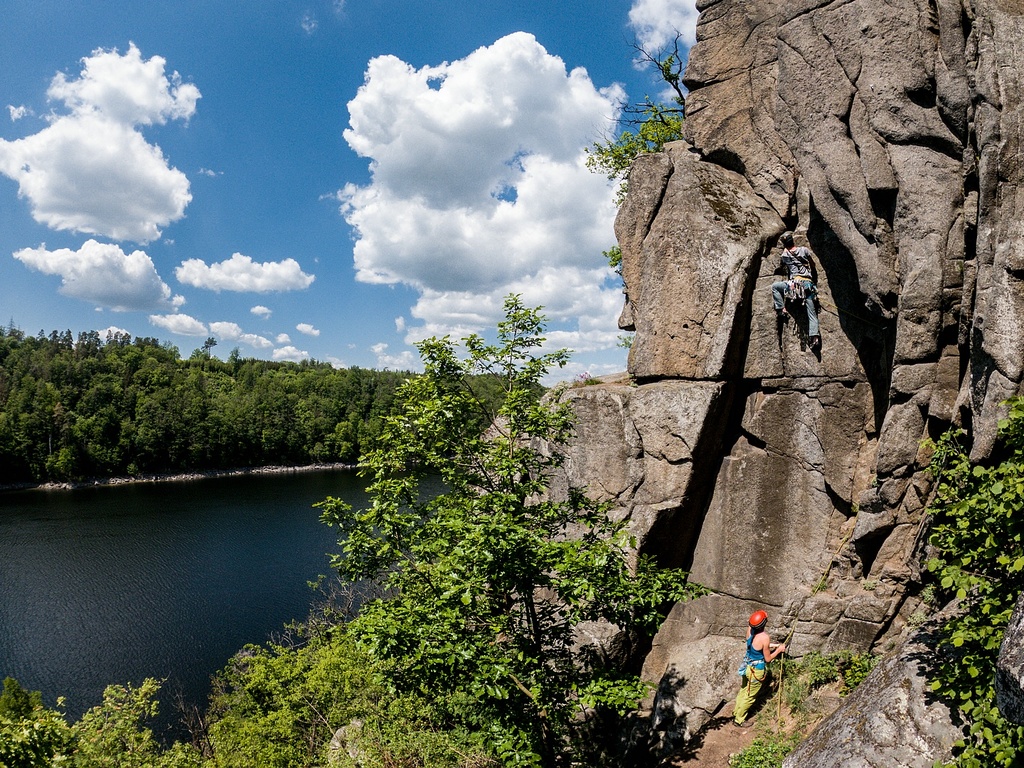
[(887, 136)]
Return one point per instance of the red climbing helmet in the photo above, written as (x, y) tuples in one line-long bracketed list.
[(758, 619)]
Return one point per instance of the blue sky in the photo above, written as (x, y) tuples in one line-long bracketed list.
[(328, 179)]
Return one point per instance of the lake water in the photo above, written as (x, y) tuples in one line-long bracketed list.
[(115, 584)]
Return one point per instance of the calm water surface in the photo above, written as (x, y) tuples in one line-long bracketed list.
[(115, 584)]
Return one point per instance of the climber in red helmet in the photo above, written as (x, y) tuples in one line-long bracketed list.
[(754, 670)]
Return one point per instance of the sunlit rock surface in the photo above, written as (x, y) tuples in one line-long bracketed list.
[(887, 137)]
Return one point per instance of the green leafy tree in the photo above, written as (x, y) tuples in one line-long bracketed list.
[(279, 707), (16, 702), (31, 736), (114, 734), (979, 534), (489, 579)]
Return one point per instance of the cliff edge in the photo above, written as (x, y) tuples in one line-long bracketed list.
[(784, 476)]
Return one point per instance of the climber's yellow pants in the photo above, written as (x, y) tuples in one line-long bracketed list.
[(752, 680)]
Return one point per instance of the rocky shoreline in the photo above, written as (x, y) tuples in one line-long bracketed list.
[(173, 478)]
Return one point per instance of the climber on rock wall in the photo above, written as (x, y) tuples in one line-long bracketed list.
[(754, 670), (798, 264)]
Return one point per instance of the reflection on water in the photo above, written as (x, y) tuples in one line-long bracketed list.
[(114, 584)]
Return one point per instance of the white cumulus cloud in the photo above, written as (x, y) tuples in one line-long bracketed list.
[(183, 325), (127, 89), (563, 294), (105, 275), (403, 361), (479, 184), (283, 338), (656, 22), (260, 311), (233, 332), (307, 329), (241, 273), (17, 112), (90, 170), (113, 330), (290, 353)]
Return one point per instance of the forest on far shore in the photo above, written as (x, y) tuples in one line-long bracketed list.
[(93, 407)]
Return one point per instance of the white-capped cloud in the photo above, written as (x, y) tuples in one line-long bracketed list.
[(290, 353), (403, 361), (182, 325), (307, 329), (480, 187), (241, 273), (656, 22), (260, 311), (565, 295), (226, 331), (17, 112), (112, 331), (103, 274), (126, 89), (282, 338), (91, 170)]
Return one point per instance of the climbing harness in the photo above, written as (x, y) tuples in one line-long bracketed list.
[(799, 287), (752, 659), (751, 675)]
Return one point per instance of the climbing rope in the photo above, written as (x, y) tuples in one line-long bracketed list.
[(819, 585), (836, 310)]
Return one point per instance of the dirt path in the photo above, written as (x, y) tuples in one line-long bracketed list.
[(713, 747), (721, 738)]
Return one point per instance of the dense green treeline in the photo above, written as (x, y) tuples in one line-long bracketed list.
[(92, 407)]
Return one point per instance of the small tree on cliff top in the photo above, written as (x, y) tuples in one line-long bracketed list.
[(490, 579), (646, 126)]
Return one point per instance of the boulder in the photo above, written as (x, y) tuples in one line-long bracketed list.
[(995, 324), (344, 747), (693, 664), (889, 721), (641, 448), (773, 522), (729, 120)]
